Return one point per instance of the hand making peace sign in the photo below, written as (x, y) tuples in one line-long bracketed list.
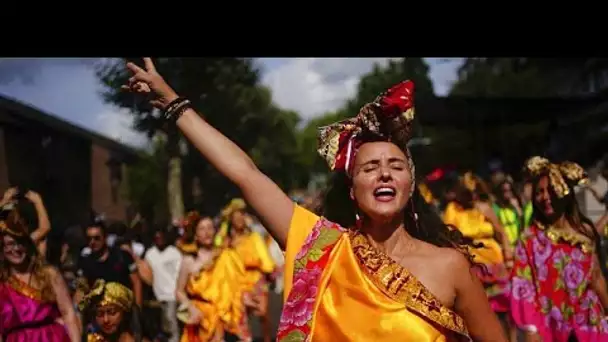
[(148, 80)]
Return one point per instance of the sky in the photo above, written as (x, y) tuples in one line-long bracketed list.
[(68, 88)]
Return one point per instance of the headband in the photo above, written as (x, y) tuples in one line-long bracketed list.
[(558, 174), (389, 118)]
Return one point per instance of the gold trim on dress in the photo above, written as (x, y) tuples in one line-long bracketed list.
[(400, 285), (573, 238), (24, 288)]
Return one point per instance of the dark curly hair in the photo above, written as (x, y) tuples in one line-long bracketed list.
[(338, 207)]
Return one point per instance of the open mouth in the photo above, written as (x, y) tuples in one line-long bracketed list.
[(385, 193)]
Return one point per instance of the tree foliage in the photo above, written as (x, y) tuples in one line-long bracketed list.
[(146, 183), (526, 77), (228, 93)]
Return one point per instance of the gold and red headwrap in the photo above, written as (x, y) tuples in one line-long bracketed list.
[(389, 117), (558, 173)]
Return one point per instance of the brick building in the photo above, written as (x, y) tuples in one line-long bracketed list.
[(75, 170)]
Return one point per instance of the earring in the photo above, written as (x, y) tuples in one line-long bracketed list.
[(358, 221)]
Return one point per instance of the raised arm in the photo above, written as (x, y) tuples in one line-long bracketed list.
[(44, 224), (272, 205)]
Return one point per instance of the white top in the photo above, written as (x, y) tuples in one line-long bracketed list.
[(165, 269)]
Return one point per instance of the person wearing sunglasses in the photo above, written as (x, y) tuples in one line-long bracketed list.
[(108, 263)]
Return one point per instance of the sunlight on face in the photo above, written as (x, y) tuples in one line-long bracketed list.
[(108, 318), (205, 232), (381, 180), (13, 251)]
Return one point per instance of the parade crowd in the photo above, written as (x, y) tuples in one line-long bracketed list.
[(380, 254)]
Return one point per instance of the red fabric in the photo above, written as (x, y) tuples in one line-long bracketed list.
[(397, 99)]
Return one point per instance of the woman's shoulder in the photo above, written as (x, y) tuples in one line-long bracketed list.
[(51, 271)]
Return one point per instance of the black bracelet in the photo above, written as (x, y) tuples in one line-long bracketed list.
[(175, 109), (172, 105), (179, 111)]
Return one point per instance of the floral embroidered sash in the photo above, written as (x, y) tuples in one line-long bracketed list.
[(296, 319), (391, 278)]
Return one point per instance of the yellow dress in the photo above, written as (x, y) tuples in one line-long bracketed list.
[(356, 304), (253, 251), (473, 224), (217, 292)]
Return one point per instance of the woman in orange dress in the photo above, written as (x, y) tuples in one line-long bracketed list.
[(380, 265), (259, 266)]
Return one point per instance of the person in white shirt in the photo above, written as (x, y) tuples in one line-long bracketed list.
[(160, 270)]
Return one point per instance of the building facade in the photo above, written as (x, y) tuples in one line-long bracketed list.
[(75, 170)]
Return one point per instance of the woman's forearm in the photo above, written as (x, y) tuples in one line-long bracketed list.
[(73, 327), (181, 297), (44, 224)]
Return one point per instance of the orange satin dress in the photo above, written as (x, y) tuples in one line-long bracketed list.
[(352, 306), (253, 251), (217, 292)]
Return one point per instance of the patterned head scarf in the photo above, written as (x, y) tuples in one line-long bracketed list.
[(107, 294), (234, 205), (559, 174), (389, 117)]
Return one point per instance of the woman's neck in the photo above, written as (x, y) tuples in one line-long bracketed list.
[(388, 237), (20, 269)]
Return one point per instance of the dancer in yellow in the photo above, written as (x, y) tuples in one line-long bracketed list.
[(209, 289), (379, 265), (253, 251), (475, 219)]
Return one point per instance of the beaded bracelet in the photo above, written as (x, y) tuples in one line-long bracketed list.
[(175, 109)]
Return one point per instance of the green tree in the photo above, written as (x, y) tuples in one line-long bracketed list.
[(522, 78), (225, 90), (146, 182), (526, 77)]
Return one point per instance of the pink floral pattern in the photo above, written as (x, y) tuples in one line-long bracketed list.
[(310, 239), (551, 290), (296, 319)]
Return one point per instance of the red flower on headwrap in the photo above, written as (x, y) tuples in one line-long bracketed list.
[(389, 117)]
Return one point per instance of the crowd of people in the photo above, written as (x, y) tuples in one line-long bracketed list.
[(199, 280), (384, 255)]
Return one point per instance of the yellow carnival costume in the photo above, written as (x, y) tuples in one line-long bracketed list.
[(234, 205), (337, 286), (218, 293), (474, 225)]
